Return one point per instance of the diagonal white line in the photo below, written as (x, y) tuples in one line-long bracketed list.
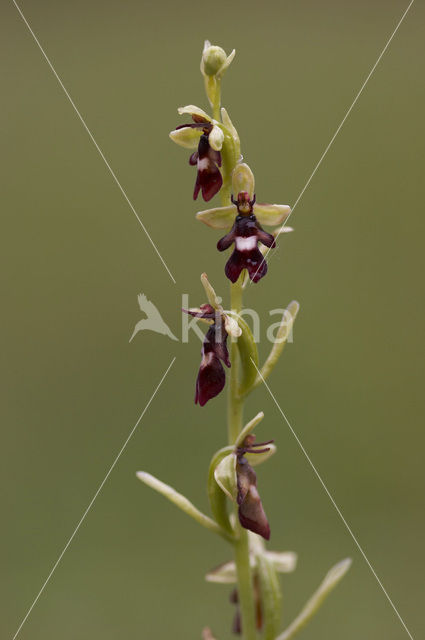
[(102, 155), (333, 501), (322, 157), (53, 569)]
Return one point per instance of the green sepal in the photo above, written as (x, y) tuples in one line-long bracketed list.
[(271, 596), (248, 428), (271, 214), (243, 179), (192, 109), (219, 217), (230, 154), (216, 495), (225, 476), (186, 137), (231, 129)]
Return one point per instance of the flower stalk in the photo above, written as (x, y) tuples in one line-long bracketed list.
[(234, 428)]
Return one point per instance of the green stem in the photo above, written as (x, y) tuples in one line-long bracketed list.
[(217, 101), (235, 415), (235, 403), (235, 424), (246, 600)]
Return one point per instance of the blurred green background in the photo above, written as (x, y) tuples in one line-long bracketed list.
[(74, 259)]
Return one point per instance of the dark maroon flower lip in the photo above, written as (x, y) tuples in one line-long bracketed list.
[(208, 177), (211, 376), (250, 511), (245, 234), (207, 161)]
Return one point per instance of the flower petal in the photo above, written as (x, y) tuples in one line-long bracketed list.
[(232, 326), (192, 110), (216, 138), (186, 137), (271, 214), (257, 458)]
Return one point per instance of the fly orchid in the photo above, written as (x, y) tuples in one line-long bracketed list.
[(205, 135)]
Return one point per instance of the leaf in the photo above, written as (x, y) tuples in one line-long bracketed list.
[(332, 578), (183, 503)]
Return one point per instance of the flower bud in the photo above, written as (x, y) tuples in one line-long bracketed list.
[(213, 58), (214, 61)]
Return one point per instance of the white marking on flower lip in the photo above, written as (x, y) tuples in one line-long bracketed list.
[(246, 244), (203, 164)]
